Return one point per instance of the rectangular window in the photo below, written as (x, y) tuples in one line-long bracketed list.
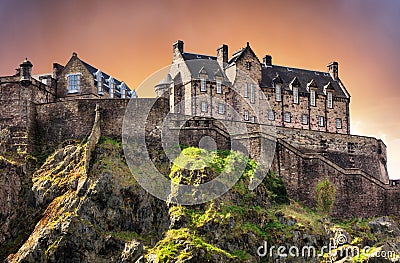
[(245, 91), (204, 106), (304, 119), (219, 86), (271, 115), (252, 95), (278, 95), (295, 95), (246, 115), (338, 123), (312, 98), (321, 121), (74, 83), (203, 85), (221, 108), (287, 117), (330, 100), (253, 119)]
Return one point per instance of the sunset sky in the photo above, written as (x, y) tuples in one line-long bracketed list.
[(132, 39)]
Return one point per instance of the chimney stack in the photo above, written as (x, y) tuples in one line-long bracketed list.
[(57, 68), (222, 54), (333, 69), (267, 60), (178, 46)]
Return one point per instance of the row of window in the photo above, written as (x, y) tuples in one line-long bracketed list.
[(203, 86), (304, 119), (74, 85), (313, 96), (204, 107), (278, 93)]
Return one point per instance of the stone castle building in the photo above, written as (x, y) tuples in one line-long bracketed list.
[(310, 110), (297, 98)]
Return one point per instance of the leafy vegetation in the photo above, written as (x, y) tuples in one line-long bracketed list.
[(325, 196)]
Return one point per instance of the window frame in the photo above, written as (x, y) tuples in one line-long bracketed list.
[(288, 117), (304, 119), (295, 95), (76, 79), (203, 85), (339, 123), (204, 106), (252, 93), (246, 115), (278, 95), (271, 115), (321, 121), (219, 87), (245, 90), (221, 108), (330, 99), (313, 98)]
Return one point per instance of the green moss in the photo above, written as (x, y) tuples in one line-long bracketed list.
[(171, 247)]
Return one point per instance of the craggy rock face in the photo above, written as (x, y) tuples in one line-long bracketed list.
[(103, 215)]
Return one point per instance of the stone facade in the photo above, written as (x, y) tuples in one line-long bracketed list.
[(258, 91), (307, 150)]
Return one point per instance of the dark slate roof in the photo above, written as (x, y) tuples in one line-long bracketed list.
[(93, 71), (209, 64), (304, 76)]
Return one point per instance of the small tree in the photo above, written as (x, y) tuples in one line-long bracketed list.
[(325, 196)]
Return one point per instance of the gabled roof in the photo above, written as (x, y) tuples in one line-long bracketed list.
[(304, 77), (204, 64), (118, 83), (238, 54)]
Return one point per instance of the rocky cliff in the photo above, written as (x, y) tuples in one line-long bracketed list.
[(87, 207)]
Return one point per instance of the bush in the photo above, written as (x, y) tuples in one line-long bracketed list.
[(325, 196)]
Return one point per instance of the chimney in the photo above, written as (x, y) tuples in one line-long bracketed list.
[(57, 68), (222, 54), (178, 45), (267, 60), (333, 69)]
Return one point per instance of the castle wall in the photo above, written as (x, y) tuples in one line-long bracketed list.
[(303, 157), (17, 116), (357, 194)]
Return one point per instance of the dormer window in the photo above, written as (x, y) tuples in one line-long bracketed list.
[(74, 83), (330, 100), (278, 93), (219, 86), (295, 95), (111, 86), (203, 85), (122, 88), (313, 98), (99, 77)]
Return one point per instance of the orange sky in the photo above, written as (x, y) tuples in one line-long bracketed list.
[(132, 39)]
